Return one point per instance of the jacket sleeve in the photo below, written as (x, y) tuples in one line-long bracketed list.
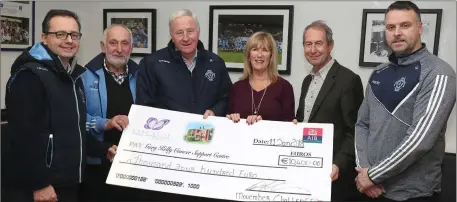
[(362, 129), (26, 103), (232, 100), (350, 102), (287, 102), (96, 148), (225, 84), (434, 103), (96, 123), (146, 84)]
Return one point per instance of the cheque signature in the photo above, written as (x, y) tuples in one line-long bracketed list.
[(276, 186)]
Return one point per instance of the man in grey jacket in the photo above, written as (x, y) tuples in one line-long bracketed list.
[(402, 120)]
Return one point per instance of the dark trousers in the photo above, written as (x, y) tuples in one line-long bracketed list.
[(433, 198), (94, 187), (345, 189)]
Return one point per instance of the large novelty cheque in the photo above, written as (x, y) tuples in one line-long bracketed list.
[(183, 153)]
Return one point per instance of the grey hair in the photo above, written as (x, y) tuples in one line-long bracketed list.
[(321, 24), (105, 32), (180, 13)]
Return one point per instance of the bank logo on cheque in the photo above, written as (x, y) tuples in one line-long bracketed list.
[(312, 135), (199, 132)]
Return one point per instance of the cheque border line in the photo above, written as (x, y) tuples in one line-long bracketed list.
[(282, 167)]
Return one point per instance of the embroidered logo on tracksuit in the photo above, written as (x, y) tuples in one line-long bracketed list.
[(210, 75)]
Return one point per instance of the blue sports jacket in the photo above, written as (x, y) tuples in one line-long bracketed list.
[(95, 90)]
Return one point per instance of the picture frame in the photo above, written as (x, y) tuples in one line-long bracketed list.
[(227, 38), (373, 47), (143, 24), (17, 29)]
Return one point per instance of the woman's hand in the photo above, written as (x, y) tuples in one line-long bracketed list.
[(234, 117), (253, 119)]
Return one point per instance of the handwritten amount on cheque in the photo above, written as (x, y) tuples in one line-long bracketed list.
[(283, 191), (143, 160)]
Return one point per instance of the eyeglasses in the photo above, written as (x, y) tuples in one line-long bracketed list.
[(64, 35)]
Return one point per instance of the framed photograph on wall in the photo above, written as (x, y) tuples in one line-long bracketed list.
[(142, 23), (373, 47), (231, 26), (17, 25)]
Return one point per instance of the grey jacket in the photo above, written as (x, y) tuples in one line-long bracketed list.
[(402, 122)]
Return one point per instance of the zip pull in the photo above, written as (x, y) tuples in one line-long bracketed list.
[(50, 141)]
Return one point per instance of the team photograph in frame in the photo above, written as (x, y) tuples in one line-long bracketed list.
[(17, 25), (231, 26), (373, 47), (142, 23)]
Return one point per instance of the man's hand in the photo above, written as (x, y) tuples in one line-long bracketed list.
[(375, 191), (335, 172), (295, 121), (234, 117), (208, 113), (366, 186), (253, 118), (119, 122), (111, 153), (362, 180), (47, 194)]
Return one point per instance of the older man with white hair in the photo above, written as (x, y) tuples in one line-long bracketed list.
[(110, 84), (184, 76)]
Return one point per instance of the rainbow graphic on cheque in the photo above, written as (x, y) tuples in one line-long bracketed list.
[(199, 132), (312, 135)]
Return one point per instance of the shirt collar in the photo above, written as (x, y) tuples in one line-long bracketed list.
[(324, 70), (123, 73), (193, 58), (68, 68)]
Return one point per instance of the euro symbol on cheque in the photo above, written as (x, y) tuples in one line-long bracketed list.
[(284, 160)]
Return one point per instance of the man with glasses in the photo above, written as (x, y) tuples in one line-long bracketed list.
[(46, 109), (184, 76)]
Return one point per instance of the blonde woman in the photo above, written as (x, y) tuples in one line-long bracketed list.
[(261, 94)]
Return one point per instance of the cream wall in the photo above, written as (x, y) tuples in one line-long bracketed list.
[(346, 32)]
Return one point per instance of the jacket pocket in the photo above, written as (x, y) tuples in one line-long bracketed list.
[(50, 151)]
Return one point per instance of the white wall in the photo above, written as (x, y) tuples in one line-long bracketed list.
[(346, 33)]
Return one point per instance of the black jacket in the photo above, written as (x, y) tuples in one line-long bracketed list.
[(338, 102), (164, 81), (46, 117)]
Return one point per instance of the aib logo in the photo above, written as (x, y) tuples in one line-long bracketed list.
[(154, 124), (312, 135)]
